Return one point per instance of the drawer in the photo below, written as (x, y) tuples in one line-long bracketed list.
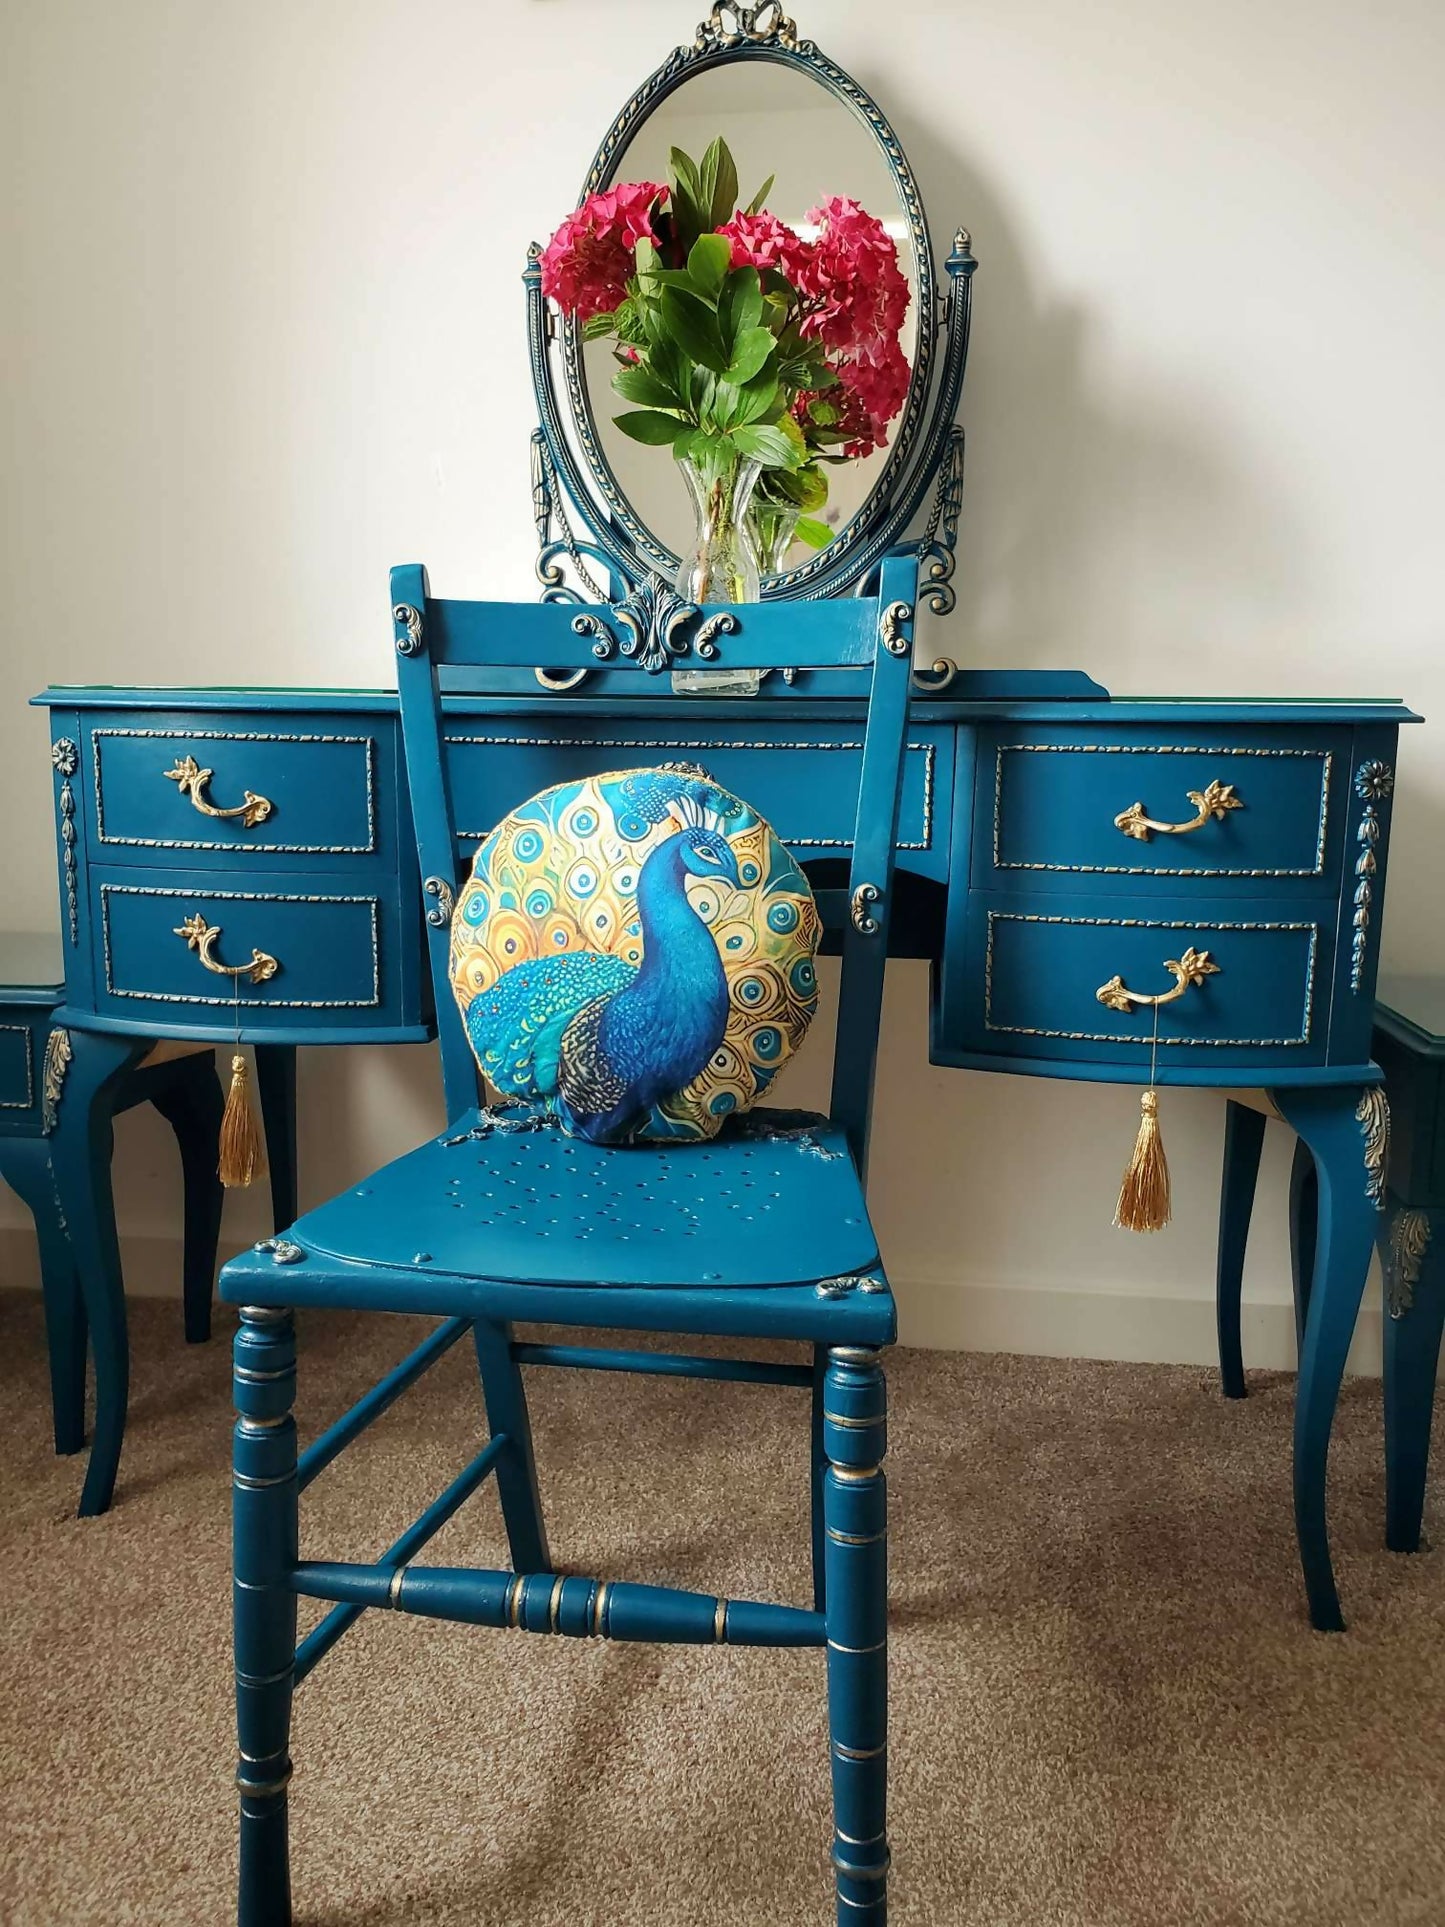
[(239, 787), (351, 954), (1060, 809), (804, 780), (1024, 981)]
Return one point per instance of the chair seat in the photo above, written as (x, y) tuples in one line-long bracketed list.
[(507, 1196)]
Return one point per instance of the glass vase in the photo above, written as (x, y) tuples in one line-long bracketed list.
[(772, 526), (721, 564)]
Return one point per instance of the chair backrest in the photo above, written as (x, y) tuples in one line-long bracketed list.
[(870, 634)]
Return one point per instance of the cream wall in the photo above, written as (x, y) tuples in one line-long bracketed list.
[(263, 337)]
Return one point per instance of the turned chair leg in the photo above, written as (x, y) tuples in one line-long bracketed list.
[(265, 1542), (856, 1558), (1243, 1141), (818, 1466), (506, 1402)]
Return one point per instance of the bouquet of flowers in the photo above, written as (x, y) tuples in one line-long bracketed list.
[(758, 356)]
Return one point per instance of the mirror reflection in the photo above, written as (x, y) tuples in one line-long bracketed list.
[(801, 367)]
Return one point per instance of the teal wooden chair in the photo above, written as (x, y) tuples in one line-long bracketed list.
[(809, 1271)]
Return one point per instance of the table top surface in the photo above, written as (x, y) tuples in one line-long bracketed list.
[(1412, 1009)]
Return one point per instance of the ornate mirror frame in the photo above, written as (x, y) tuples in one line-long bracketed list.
[(923, 475)]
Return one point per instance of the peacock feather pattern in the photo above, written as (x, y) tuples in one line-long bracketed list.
[(635, 951)]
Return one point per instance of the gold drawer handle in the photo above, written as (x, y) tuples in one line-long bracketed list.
[(1212, 803), (202, 938), (1190, 969), (193, 779)]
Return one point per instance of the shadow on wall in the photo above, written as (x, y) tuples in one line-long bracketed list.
[(1086, 502)]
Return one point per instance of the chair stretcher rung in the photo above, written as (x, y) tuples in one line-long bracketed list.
[(547, 1602), (382, 1396), (319, 1641), (741, 1371)]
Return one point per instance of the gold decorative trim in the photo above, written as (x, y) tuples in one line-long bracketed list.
[(851, 1424), (439, 913), (1409, 1242), (1142, 1039), (1372, 1114), (24, 1103), (890, 628), (1212, 804), (859, 1652), (1374, 785), (928, 751), (1188, 971), (187, 772), (248, 1483), (853, 1474), (728, 25), (366, 743), (408, 643), (554, 1603), (66, 758), (108, 890), (202, 937), (599, 1610), (859, 909), (512, 1603), (859, 1752), (1324, 757), (263, 1789), (720, 1623)]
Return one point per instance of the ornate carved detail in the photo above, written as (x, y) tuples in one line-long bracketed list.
[(840, 1287), (1374, 785), (439, 914), (764, 26), (202, 937), (192, 779), (66, 758), (890, 628), (408, 643), (1372, 1114), (859, 910), (58, 1053), (655, 618), (1188, 972), (1409, 1241), (1212, 804), (284, 1251), (937, 557)]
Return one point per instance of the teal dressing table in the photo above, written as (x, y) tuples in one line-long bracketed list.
[(1016, 878)]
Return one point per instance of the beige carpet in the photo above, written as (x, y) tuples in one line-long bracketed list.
[(1107, 1705)]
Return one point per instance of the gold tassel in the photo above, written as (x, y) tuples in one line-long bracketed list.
[(1144, 1195), (243, 1154)]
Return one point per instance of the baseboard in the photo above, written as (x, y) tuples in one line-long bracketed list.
[(957, 1314)]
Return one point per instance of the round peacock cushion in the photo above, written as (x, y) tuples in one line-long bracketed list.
[(635, 951)]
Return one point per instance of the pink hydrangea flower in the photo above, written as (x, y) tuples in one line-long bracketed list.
[(763, 241), (589, 260), (853, 273), (878, 374)]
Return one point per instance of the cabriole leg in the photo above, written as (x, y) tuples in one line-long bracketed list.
[(1414, 1317), (1304, 1211), (856, 1561), (265, 1550), (1243, 1141), (506, 1401), (276, 1089), (25, 1165), (1346, 1130), (192, 1103)]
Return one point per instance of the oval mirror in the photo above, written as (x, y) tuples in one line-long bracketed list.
[(811, 149)]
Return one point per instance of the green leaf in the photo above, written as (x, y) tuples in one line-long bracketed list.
[(817, 535), (644, 426), (726, 407), (769, 445), (708, 264), (693, 325), (761, 399), (644, 385), (599, 326), (718, 178), (682, 445), (812, 486), (750, 352), (823, 412), (740, 305), (755, 205)]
